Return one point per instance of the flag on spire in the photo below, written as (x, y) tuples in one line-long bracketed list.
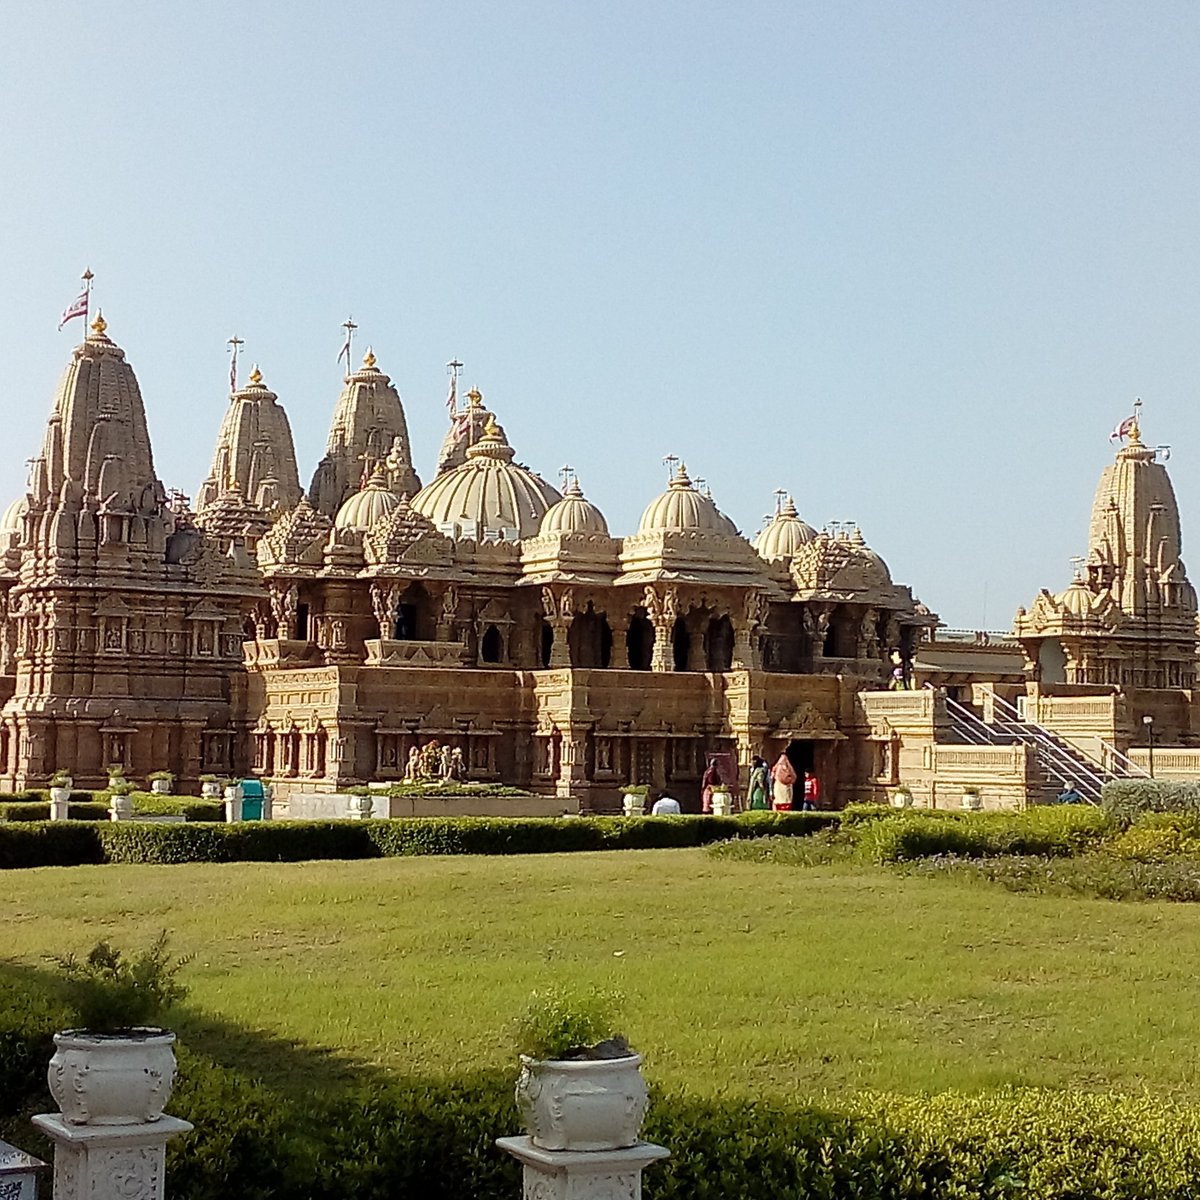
[(1123, 430), (77, 308)]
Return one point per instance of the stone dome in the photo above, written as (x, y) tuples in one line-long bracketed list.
[(488, 497), (1077, 600), (371, 504), (784, 534), (573, 514), (14, 515), (683, 509), (874, 568)]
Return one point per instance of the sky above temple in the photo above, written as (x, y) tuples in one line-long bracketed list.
[(910, 262)]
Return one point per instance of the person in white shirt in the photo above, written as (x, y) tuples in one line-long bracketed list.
[(664, 806)]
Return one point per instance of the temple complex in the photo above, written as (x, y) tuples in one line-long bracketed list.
[(319, 637)]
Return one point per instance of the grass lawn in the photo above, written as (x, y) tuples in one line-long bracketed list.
[(738, 976)]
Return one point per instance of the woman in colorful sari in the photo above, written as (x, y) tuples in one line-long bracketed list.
[(756, 793), (783, 776)]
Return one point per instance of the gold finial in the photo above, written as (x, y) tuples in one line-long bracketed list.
[(369, 358), (475, 396), (256, 375), (99, 325), (491, 429)]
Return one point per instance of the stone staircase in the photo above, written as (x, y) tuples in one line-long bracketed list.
[(1057, 761)]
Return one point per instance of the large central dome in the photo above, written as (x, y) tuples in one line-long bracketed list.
[(488, 498)]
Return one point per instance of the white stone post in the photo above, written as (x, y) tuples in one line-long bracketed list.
[(233, 803), (109, 1162), (578, 1174), (120, 808)]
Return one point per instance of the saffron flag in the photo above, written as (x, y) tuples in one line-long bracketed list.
[(452, 398), (77, 308), (1123, 430)]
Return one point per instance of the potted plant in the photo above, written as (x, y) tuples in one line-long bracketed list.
[(117, 1068), (720, 800), (634, 798), (61, 784), (211, 787), (161, 781), (581, 1086), (120, 800), (972, 801), (902, 797)]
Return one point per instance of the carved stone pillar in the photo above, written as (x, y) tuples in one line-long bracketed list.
[(572, 762), (696, 623), (448, 618), (559, 611), (662, 611), (582, 1175)]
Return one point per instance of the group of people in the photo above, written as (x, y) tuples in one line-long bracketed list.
[(776, 787)]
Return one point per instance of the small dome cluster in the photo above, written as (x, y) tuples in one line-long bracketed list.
[(573, 514), (374, 503), (784, 534)]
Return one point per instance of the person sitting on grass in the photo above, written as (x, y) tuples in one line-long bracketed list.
[(665, 806)]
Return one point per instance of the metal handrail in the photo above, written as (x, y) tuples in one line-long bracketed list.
[(1127, 765), (1012, 714), (1054, 757)]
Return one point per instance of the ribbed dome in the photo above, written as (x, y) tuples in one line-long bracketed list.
[(573, 514), (489, 497), (14, 515), (876, 569), (785, 534), (1077, 599), (682, 508), (373, 503)]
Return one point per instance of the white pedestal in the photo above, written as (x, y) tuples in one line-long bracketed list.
[(109, 1162), (579, 1174)]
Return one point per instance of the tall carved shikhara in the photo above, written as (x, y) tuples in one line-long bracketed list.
[(318, 637)]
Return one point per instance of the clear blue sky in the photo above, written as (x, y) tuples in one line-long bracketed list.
[(912, 261)]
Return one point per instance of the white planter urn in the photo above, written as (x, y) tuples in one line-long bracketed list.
[(902, 799), (589, 1104), (110, 1079), (720, 804), (160, 787), (59, 799), (360, 807), (210, 790), (972, 802), (633, 803), (120, 808)]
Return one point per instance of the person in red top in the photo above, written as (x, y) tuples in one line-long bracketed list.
[(812, 791)]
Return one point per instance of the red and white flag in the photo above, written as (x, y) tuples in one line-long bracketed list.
[(452, 398), (1123, 430), (77, 308)]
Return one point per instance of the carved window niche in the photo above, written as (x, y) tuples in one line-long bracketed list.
[(264, 751), (216, 751), (545, 756), (115, 745), (112, 634), (605, 756)]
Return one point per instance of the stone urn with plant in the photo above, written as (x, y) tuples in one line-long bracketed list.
[(117, 1067), (61, 784), (581, 1086), (161, 782), (211, 787), (634, 796)]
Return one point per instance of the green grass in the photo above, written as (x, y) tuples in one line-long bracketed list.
[(738, 976)]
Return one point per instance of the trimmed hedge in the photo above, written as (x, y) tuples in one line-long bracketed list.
[(295, 841), (1126, 799), (1050, 831), (382, 1136), (84, 810)]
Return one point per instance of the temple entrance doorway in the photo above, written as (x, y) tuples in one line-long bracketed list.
[(802, 756)]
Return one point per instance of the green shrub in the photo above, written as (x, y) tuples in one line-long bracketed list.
[(50, 844), (295, 841), (39, 811), (558, 1023), (1126, 799), (1044, 830), (111, 992), (441, 787)]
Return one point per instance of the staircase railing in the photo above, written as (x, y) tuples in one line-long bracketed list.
[(1124, 764), (1054, 757)]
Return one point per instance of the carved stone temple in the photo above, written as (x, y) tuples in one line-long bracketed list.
[(318, 637)]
